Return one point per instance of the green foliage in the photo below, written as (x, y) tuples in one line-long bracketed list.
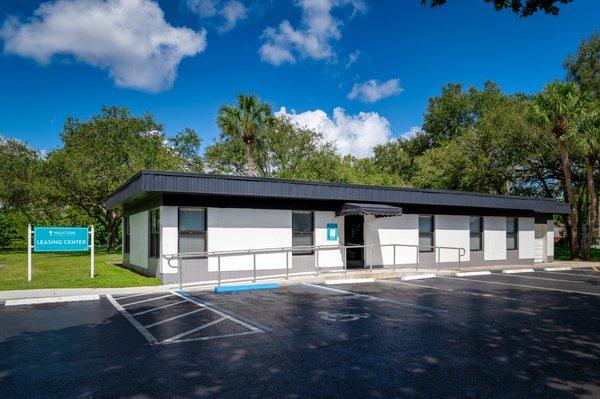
[(524, 8), (245, 125), (583, 67), (186, 145)]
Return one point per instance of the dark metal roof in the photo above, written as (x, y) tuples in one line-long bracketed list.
[(149, 183), (379, 210)]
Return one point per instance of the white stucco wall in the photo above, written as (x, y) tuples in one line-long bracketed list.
[(526, 246), (138, 247), (550, 239), (452, 231), (392, 230), (234, 229), (328, 257), (494, 238), (168, 236)]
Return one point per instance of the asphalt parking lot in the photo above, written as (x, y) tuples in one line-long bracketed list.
[(494, 336)]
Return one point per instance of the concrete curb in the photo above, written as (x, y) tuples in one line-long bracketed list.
[(308, 278), (65, 292)]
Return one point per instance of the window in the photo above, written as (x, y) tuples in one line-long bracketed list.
[(512, 233), (126, 234), (192, 230), (302, 231), (426, 229), (476, 233), (154, 233)]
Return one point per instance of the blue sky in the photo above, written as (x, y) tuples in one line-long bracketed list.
[(76, 55)]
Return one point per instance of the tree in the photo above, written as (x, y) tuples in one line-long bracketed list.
[(100, 154), (588, 137), (284, 150), (523, 8), (186, 144), (246, 122), (557, 108), (583, 67)]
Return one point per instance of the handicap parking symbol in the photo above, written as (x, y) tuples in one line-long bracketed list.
[(338, 316)]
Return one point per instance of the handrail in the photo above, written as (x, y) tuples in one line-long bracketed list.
[(314, 248)]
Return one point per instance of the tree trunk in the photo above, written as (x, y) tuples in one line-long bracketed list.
[(249, 159), (112, 240), (566, 167), (593, 202)]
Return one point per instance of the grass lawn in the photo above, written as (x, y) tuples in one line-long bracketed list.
[(562, 253), (66, 270)]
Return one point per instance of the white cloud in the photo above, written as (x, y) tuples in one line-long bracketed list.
[(128, 38), (233, 11), (352, 134), (352, 58), (313, 40), (410, 133), (204, 8), (371, 90)]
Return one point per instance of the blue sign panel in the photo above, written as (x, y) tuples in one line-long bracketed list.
[(332, 232), (60, 239)]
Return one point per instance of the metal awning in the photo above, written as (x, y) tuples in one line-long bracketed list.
[(379, 210)]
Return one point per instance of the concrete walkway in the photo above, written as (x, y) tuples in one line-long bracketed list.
[(323, 277)]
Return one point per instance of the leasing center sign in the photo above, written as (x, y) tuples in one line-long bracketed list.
[(61, 239)]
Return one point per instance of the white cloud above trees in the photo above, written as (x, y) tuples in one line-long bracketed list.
[(352, 134), (373, 90), (313, 39)]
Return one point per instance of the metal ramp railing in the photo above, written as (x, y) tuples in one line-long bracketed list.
[(315, 250)]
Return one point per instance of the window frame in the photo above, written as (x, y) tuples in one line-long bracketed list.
[(515, 233), (154, 236), (126, 235), (476, 234), (203, 233), (303, 233), (427, 234)]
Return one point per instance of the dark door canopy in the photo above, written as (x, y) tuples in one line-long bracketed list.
[(378, 210)]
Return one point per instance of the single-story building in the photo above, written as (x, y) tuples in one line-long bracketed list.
[(308, 224)]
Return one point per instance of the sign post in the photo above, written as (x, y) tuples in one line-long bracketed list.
[(28, 252), (60, 239), (92, 251)]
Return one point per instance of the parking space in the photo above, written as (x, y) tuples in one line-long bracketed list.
[(175, 317), (496, 336)]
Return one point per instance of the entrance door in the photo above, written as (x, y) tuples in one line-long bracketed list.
[(354, 235)]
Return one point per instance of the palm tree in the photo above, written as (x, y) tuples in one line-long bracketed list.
[(247, 121), (588, 135), (558, 107)]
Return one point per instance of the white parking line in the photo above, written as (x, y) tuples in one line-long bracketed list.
[(145, 333), (350, 281), (220, 313), (524, 286), (157, 308), (193, 330), (548, 279), (133, 295), (174, 318), (146, 300), (556, 269), (211, 337), (451, 290), (374, 298), (576, 274)]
